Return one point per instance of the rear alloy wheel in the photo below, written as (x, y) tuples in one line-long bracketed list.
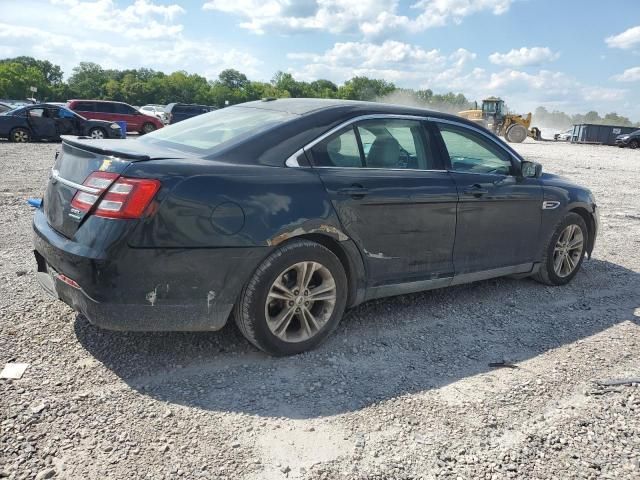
[(565, 251), (516, 133), (294, 300), (148, 128), (20, 135), (633, 144), (97, 133)]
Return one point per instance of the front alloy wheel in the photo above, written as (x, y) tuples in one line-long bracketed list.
[(20, 135), (97, 133), (564, 251), (568, 251), (300, 302)]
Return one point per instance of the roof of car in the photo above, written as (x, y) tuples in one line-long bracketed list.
[(98, 101), (302, 106)]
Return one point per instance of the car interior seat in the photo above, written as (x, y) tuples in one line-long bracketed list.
[(384, 152)]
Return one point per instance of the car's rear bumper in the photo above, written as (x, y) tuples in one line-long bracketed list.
[(143, 289)]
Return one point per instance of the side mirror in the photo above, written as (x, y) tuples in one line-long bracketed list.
[(530, 169)]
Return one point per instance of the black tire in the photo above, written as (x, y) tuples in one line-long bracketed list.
[(98, 133), (249, 312), (633, 144), (516, 133), (147, 128), (20, 135), (547, 274)]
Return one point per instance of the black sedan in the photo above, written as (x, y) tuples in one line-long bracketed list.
[(631, 140), (282, 214), (45, 121)]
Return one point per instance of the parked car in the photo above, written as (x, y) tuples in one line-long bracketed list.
[(631, 140), (177, 112), (116, 112), (273, 210), (155, 110), (564, 136), (46, 121)]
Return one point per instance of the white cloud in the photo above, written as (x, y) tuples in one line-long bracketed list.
[(413, 66), (628, 39), (629, 75), (524, 57), (392, 60), (369, 17), (143, 34), (142, 19)]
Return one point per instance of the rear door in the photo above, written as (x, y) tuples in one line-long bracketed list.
[(499, 212), (42, 125), (392, 197)]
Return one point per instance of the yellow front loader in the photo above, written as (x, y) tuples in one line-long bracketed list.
[(514, 128)]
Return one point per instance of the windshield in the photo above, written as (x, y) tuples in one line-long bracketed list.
[(13, 111), (210, 132)]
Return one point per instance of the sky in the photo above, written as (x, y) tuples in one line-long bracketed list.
[(569, 55)]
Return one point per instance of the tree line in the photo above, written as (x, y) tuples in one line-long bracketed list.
[(144, 86), (556, 119)]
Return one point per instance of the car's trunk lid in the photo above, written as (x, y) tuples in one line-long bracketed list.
[(77, 159)]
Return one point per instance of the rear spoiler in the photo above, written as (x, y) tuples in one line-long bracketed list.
[(104, 147)]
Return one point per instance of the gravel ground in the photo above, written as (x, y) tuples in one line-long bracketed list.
[(402, 390)]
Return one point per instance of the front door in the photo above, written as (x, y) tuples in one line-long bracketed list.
[(127, 113), (40, 123), (499, 212), (392, 198)]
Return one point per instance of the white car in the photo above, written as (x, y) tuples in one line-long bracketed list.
[(156, 111), (564, 136)]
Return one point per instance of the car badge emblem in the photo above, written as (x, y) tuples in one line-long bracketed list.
[(105, 165)]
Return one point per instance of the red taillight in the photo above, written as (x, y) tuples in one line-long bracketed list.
[(127, 198), (114, 196), (98, 182)]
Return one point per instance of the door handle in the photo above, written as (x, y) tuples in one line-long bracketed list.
[(476, 190), (355, 191)]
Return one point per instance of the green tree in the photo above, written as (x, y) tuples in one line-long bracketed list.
[(363, 88), (16, 78), (233, 79), (88, 80)]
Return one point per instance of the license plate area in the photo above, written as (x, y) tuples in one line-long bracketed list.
[(45, 275)]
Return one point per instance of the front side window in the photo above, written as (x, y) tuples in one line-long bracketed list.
[(471, 152), (122, 109), (36, 112), (384, 143)]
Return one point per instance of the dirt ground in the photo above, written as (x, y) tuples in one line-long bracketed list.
[(402, 390)]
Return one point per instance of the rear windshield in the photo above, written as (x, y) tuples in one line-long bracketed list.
[(213, 131)]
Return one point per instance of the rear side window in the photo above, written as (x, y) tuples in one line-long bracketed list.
[(104, 107), (208, 133), (85, 106), (339, 150), (384, 143)]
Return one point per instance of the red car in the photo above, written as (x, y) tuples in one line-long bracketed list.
[(116, 112)]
